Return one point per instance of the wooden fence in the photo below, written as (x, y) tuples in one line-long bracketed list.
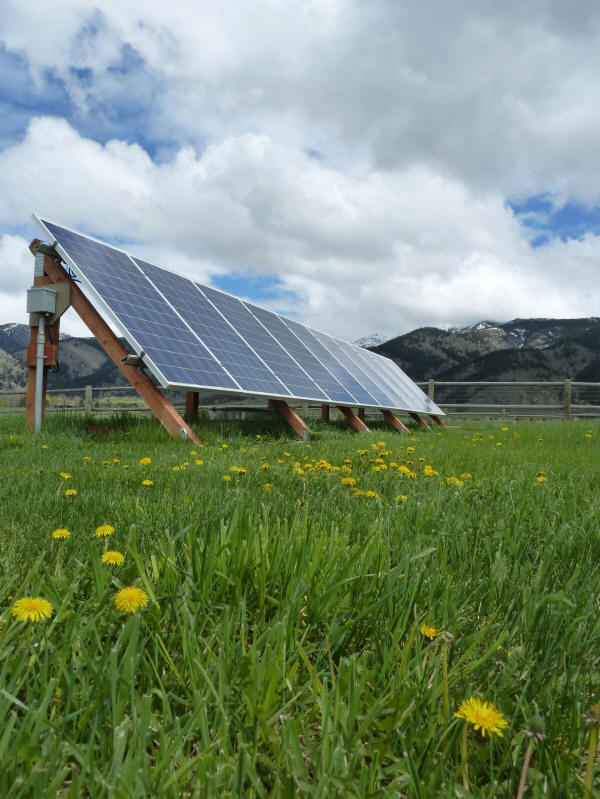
[(536, 399)]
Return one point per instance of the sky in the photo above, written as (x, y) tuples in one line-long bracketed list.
[(359, 166)]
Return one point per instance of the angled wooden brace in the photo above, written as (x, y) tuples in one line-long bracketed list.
[(418, 420), (291, 417), (156, 401), (394, 421), (325, 413), (437, 420), (356, 422)]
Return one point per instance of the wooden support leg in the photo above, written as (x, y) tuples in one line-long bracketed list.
[(154, 398), (418, 420), (192, 400), (354, 420), (325, 413), (361, 414), (291, 417), (394, 421), (30, 400), (437, 420)]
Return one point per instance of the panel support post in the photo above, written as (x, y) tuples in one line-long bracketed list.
[(418, 420), (291, 417), (354, 420), (431, 388), (567, 401), (361, 414), (37, 376), (325, 413), (115, 349), (192, 401), (394, 421), (437, 420)]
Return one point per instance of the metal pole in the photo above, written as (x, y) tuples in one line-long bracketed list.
[(39, 373)]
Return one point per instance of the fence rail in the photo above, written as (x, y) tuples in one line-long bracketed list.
[(565, 399)]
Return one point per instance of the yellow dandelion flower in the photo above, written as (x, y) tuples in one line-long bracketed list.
[(541, 478), (258, 435), (401, 497), (116, 460), (265, 466), (112, 558), (504, 429), (32, 608), (65, 475), (61, 534), (129, 599), (198, 462), (147, 483), (145, 461), (86, 458), (430, 632), (105, 463), (104, 530), (484, 716), (193, 452), (44, 446), (372, 494), (267, 487), (227, 477), (176, 468), (540, 440), (348, 481), (70, 492)]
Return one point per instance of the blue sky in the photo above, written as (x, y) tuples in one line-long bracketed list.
[(312, 157)]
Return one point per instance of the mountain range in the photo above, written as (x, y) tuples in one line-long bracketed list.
[(523, 349)]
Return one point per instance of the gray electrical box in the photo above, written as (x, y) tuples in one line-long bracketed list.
[(41, 300)]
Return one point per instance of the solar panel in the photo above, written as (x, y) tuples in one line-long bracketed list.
[(302, 355), (141, 314), (196, 337), (216, 333), (280, 361)]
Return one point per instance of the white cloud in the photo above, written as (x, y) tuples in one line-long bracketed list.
[(360, 152), (386, 252)]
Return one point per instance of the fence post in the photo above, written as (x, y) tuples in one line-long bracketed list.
[(567, 401), (87, 400), (431, 388)]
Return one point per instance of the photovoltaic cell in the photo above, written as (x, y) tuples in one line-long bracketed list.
[(142, 312), (227, 346)]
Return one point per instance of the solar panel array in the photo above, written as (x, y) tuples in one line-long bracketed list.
[(199, 338)]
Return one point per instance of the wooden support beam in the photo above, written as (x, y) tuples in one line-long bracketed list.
[(325, 413), (291, 417), (394, 421), (361, 414), (418, 420), (354, 420), (156, 401), (437, 420), (192, 401)]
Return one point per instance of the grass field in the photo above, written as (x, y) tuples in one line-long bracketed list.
[(281, 651)]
